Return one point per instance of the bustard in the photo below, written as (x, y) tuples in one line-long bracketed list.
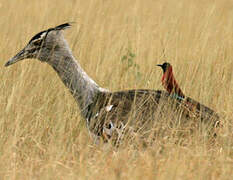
[(108, 114)]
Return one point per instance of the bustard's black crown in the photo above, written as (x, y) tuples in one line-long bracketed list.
[(45, 32)]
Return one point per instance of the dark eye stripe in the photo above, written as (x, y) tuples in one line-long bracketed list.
[(32, 50), (37, 43)]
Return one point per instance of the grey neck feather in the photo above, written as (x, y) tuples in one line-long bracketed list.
[(81, 86)]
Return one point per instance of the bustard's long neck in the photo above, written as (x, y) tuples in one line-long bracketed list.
[(81, 86)]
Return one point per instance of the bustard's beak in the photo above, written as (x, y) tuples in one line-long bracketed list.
[(159, 65), (20, 56)]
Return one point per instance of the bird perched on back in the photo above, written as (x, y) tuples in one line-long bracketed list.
[(169, 82), (194, 108)]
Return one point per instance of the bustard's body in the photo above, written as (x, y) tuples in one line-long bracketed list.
[(107, 113)]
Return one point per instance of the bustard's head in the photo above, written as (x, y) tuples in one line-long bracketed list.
[(43, 45), (164, 66)]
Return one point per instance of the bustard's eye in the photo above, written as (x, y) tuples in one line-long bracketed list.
[(37, 42)]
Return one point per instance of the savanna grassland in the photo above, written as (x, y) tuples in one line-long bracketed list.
[(118, 43)]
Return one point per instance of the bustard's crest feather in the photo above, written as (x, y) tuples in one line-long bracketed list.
[(62, 26), (41, 34)]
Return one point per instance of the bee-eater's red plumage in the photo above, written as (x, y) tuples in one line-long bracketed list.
[(195, 109), (169, 82)]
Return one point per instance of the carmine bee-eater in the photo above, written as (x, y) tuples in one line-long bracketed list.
[(194, 108), (169, 82)]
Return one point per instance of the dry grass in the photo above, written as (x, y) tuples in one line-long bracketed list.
[(42, 135)]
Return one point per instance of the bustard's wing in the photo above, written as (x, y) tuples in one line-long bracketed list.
[(112, 112), (139, 111)]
